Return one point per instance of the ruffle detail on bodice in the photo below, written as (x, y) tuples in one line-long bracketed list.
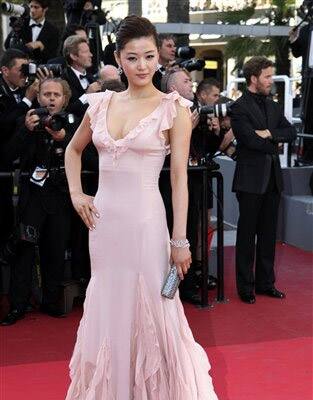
[(170, 112), (165, 112)]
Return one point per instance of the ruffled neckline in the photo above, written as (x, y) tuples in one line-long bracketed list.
[(132, 133)]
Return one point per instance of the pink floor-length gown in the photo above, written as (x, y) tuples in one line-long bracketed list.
[(133, 344)]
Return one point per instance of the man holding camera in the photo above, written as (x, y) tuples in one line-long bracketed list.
[(15, 101), (79, 58), (178, 79), (39, 36), (259, 126), (44, 203)]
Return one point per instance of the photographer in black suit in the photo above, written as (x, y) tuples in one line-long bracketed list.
[(78, 57), (259, 126), (44, 203), (15, 101), (40, 37), (300, 47)]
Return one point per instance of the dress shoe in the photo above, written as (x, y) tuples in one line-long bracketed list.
[(273, 292), (12, 317), (52, 311), (247, 298), (192, 298)]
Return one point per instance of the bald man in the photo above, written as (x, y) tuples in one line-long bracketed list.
[(109, 73)]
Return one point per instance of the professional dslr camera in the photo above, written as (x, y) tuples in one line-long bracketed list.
[(30, 70), (186, 59), (211, 111), (55, 122), (18, 13)]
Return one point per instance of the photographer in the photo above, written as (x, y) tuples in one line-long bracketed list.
[(300, 47), (78, 57), (75, 9), (15, 101), (40, 38), (44, 202), (177, 79), (167, 49)]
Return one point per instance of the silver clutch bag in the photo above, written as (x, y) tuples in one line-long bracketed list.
[(171, 283)]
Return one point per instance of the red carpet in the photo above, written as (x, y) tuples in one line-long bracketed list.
[(257, 352)]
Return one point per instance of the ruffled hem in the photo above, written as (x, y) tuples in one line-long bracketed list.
[(166, 362)]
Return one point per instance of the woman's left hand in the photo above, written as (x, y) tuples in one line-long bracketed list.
[(181, 258)]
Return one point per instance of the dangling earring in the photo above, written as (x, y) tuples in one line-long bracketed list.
[(120, 70)]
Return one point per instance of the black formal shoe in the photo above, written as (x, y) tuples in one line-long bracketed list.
[(247, 298), (192, 298), (12, 317), (273, 292), (52, 310)]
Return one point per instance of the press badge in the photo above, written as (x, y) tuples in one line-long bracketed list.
[(39, 176)]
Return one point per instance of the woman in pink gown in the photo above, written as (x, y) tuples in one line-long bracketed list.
[(132, 343)]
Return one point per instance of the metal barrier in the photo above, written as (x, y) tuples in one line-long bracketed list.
[(206, 176)]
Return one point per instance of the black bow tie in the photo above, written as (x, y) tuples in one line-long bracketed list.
[(83, 77), (38, 25)]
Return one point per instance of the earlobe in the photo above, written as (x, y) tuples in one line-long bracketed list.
[(117, 58)]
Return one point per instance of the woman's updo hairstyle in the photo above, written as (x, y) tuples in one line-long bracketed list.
[(134, 27)]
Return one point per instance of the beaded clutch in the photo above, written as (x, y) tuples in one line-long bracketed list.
[(171, 283)]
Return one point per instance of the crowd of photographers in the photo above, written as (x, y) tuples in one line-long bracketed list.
[(43, 85)]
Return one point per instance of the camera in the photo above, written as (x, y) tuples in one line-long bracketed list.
[(216, 110), (55, 122), (14, 9), (18, 13), (186, 59), (30, 70)]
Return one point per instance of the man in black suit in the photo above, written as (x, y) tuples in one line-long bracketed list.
[(44, 204), (167, 49), (40, 37), (259, 126), (78, 57), (15, 101), (300, 47)]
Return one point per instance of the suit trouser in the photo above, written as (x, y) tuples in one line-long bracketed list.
[(256, 238), (54, 231)]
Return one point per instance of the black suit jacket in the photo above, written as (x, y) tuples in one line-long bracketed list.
[(49, 36), (300, 48), (257, 158), (75, 105), (10, 112)]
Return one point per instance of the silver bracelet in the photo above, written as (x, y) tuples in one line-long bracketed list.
[(180, 243)]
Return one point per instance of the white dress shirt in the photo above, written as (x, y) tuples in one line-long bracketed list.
[(36, 29)]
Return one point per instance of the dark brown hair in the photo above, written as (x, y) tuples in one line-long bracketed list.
[(254, 67), (207, 84), (43, 3), (165, 36), (134, 27)]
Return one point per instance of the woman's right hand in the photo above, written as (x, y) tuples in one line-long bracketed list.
[(84, 206)]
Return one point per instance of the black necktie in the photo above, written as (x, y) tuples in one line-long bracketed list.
[(38, 25)]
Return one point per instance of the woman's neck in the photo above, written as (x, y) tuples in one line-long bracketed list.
[(135, 92)]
